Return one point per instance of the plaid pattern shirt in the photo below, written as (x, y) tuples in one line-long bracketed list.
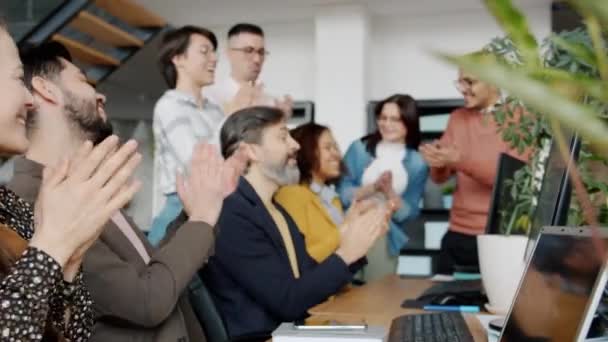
[(179, 124)]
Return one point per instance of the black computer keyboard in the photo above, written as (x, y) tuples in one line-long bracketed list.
[(433, 327)]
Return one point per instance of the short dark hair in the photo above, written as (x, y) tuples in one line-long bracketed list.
[(409, 117), (247, 125), (307, 136), (43, 60), (175, 42), (245, 28)]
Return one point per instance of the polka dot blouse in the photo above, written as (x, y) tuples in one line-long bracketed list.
[(34, 291)]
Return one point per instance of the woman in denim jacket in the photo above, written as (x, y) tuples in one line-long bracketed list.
[(386, 165)]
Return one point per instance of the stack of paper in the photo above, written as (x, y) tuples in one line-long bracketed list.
[(286, 332)]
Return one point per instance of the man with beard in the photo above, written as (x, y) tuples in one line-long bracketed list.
[(469, 149), (139, 293), (261, 274)]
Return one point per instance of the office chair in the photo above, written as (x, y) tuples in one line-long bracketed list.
[(206, 311)]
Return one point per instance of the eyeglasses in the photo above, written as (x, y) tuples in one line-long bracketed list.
[(463, 84), (250, 51)]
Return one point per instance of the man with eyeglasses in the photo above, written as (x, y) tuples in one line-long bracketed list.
[(247, 53), (468, 149)]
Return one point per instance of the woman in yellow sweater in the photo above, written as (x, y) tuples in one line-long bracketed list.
[(314, 204)]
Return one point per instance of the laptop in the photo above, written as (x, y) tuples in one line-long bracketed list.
[(560, 290), (555, 302)]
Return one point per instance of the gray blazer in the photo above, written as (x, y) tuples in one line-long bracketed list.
[(134, 301)]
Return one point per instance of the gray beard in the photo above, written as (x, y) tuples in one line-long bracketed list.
[(284, 175)]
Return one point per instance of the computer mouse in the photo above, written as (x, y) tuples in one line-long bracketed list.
[(447, 299)]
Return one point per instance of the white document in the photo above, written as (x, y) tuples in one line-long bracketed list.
[(287, 333)]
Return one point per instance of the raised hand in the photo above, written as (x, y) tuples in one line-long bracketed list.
[(211, 179), (285, 105), (360, 232), (440, 156), (384, 183), (77, 198), (248, 95)]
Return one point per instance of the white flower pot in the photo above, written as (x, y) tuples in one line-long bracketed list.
[(501, 263)]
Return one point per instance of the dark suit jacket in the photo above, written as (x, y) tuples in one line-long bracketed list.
[(134, 301), (250, 277)]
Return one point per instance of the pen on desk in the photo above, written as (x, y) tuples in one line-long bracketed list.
[(456, 308)]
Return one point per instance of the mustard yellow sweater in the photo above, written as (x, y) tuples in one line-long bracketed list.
[(305, 207)]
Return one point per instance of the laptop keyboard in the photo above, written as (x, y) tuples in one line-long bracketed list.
[(434, 327)]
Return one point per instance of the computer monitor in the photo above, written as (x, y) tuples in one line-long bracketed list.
[(553, 202), (303, 112), (502, 205)]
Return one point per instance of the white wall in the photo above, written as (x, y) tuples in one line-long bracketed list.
[(399, 58), (342, 38), (401, 61)]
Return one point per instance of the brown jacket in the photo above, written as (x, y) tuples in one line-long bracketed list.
[(134, 301)]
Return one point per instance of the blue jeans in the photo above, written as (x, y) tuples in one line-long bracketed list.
[(173, 206)]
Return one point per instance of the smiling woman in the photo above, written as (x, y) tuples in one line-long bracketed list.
[(40, 279), (314, 203), (386, 165)]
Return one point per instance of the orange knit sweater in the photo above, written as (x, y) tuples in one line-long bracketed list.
[(475, 135)]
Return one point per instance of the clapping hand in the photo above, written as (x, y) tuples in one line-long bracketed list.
[(210, 181)]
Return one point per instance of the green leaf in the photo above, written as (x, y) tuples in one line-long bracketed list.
[(595, 31), (597, 8), (595, 14), (514, 23), (580, 51), (537, 95), (584, 84)]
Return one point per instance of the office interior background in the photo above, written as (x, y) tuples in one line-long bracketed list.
[(333, 57)]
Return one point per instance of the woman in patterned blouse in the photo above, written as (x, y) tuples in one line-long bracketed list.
[(76, 199)]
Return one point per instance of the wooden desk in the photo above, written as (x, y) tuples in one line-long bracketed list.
[(379, 303)]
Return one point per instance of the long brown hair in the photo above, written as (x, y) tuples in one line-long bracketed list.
[(409, 117), (307, 136)]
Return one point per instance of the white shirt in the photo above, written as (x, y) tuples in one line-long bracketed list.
[(224, 91), (179, 124), (389, 157)]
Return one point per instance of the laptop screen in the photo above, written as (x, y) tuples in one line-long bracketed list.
[(556, 289)]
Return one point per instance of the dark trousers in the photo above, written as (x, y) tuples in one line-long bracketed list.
[(458, 253)]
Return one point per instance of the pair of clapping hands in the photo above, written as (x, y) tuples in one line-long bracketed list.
[(78, 196)]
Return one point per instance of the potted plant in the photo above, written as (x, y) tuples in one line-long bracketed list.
[(448, 192), (564, 81)]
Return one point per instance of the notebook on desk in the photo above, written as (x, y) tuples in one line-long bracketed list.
[(287, 332)]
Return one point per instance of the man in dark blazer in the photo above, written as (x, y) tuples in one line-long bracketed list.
[(139, 292), (260, 274)]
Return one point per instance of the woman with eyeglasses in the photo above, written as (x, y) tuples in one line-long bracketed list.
[(42, 295), (386, 166)]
